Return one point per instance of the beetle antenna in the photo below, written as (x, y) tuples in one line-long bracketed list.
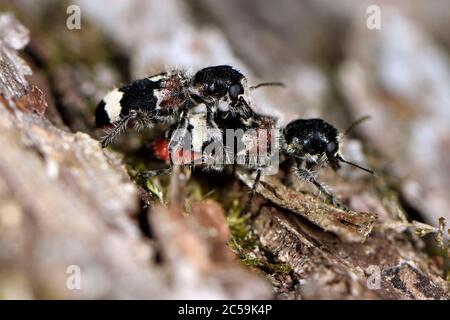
[(355, 165), (268, 84), (356, 123)]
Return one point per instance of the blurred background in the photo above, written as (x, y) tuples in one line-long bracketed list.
[(340, 60)]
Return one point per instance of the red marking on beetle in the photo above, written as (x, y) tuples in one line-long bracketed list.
[(179, 156), (161, 149), (171, 103), (173, 95)]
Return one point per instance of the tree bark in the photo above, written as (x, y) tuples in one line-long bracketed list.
[(65, 202)]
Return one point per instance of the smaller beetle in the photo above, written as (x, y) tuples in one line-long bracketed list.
[(314, 143)]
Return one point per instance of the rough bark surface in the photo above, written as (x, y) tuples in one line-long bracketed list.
[(65, 201)]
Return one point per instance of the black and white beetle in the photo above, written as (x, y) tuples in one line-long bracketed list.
[(312, 144), (171, 96)]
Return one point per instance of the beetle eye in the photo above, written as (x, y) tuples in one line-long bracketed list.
[(235, 90), (331, 148)]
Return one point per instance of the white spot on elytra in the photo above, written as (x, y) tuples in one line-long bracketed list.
[(112, 104)]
